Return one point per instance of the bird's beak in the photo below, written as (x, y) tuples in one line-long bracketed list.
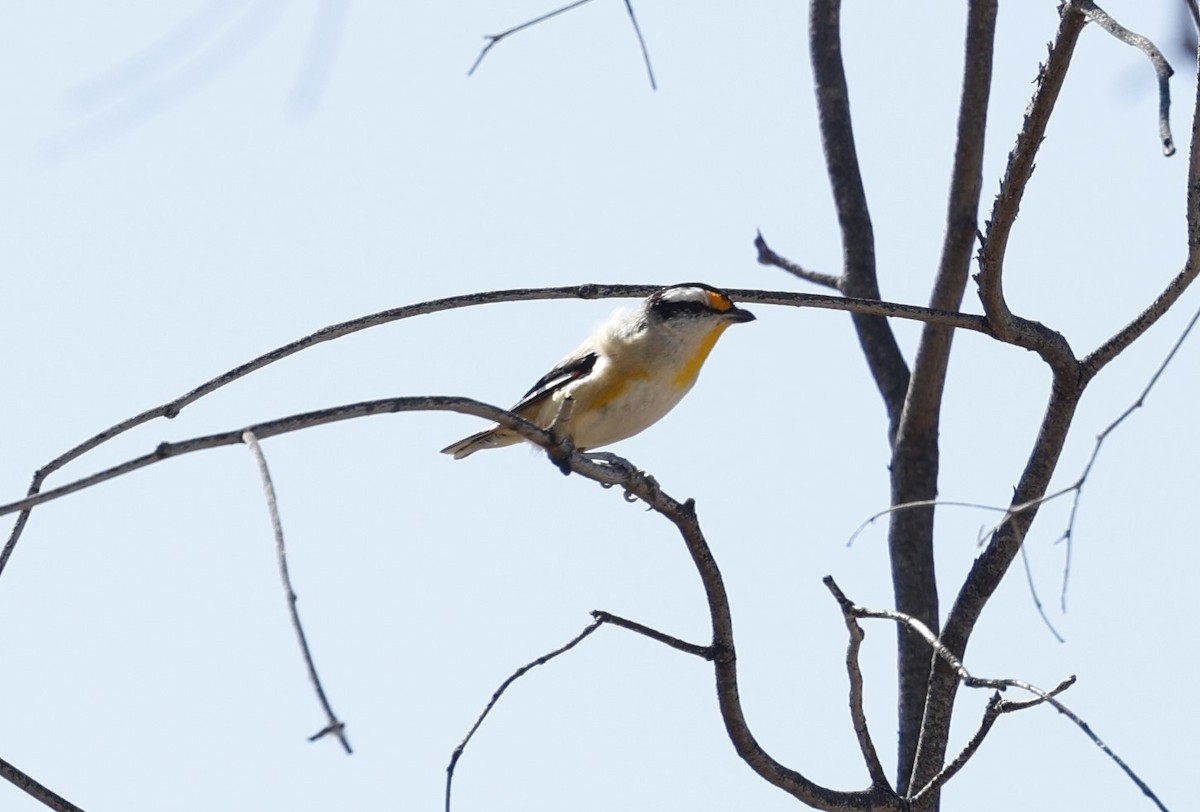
[(738, 315)]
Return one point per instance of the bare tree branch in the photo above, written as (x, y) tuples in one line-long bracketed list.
[(1032, 336), (1020, 168), (284, 425), (683, 516), (35, 789), (766, 256), (859, 280), (857, 716), (1164, 71), (520, 672), (334, 725), (1033, 593), (494, 39)]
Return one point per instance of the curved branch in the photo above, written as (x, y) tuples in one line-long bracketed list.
[(172, 408), (1161, 67), (285, 425), (1032, 336), (859, 279), (683, 516), (614, 472), (1020, 167)]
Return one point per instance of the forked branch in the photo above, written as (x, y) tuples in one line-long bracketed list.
[(851, 611), (494, 39)]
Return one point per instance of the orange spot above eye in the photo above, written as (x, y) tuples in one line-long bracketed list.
[(718, 301)]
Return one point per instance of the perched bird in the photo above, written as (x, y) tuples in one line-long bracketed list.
[(631, 372)]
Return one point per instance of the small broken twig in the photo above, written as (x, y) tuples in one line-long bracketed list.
[(335, 726), (767, 256), (1161, 67)]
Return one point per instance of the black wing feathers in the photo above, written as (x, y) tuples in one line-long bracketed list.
[(571, 369)]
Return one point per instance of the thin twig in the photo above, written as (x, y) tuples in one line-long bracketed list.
[(995, 707), (520, 672), (1033, 593), (1069, 534), (870, 520), (766, 256), (1096, 740), (335, 726), (1161, 67), (494, 39), (1009, 513), (703, 652), (637, 29), (35, 789)]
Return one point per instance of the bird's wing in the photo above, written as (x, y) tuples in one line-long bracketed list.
[(571, 368)]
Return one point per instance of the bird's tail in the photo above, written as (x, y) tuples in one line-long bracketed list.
[(495, 437)]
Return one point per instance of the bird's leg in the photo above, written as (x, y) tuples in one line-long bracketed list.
[(564, 446)]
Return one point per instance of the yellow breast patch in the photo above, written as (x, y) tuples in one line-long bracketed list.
[(686, 375)]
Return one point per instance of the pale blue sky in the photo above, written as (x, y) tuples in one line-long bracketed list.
[(171, 211)]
